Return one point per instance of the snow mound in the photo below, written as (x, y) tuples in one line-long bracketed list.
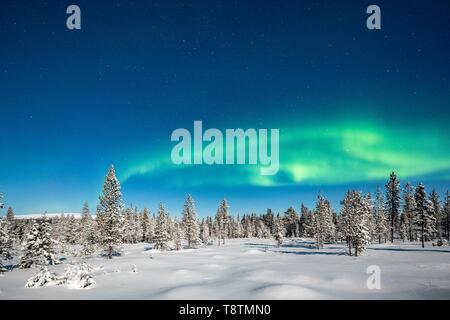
[(287, 292), (254, 251)]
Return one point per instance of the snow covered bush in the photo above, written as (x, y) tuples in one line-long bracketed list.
[(78, 277), (42, 278)]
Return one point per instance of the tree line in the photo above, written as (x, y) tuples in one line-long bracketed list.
[(407, 214)]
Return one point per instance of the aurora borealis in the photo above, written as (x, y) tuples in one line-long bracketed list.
[(351, 104)]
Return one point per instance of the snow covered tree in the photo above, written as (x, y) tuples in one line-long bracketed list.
[(381, 221), (424, 218), (161, 236), (87, 231), (147, 226), (291, 220), (403, 227), (38, 246), (393, 201), (222, 220), (279, 231), (5, 243), (447, 216), (129, 228), (409, 207), (190, 223), (307, 222), (354, 214), (323, 222), (109, 213), (10, 214), (237, 228), (434, 198), (177, 235), (205, 233), (268, 219)]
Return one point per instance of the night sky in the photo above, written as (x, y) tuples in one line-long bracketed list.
[(351, 104)]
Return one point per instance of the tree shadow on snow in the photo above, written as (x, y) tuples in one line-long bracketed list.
[(306, 253), (409, 250)]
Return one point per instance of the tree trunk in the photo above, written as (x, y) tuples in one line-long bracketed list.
[(423, 232), (349, 246), (392, 227)]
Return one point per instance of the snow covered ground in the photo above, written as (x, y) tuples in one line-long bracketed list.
[(252, 269)]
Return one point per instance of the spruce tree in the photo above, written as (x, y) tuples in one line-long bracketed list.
[(424, 216), (161, 236), (409, 207), (323, 222), (393, 201), (38, 246), (10, 214), (354, 215), (205, 232), (447, 216), (279, 231), (5, 243), (222, 220), (381, 221), (177, 235), (109, 210), (147, 228), (87, 231), (434, 198), (291, 219), (190, 223)]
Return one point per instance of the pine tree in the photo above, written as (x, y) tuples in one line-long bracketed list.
[(393, 201), (5, 243), (110, 208), (307, 219), (177, 235), (147, 226), (87, 231), (403, 227), (268, 220), (447, 216), (279, 231), (291, 219), (10, 214), (222, 220), (323, 222), (424, 215), (38, 246), (205, 232), (161, 236), (128, 226), (409, 207), (190, 223), (381, 221), (354, 214), (434, 198)]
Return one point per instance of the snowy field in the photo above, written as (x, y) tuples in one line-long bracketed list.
[(252, 269)]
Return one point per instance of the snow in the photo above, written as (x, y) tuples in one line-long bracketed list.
[(48, 215), (250, 269)]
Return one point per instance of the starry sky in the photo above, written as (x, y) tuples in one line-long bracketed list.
[(351, 104)]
